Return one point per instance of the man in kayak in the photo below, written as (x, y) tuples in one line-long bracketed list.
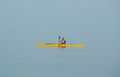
[(63, 41)]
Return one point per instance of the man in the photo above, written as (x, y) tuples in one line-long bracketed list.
[(63, 41)]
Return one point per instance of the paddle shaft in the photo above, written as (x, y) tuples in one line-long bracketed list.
[(59, 40)]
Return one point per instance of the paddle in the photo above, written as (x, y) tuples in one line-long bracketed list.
[(59, 40)]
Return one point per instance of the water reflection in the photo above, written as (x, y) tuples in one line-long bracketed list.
[(61, 64)]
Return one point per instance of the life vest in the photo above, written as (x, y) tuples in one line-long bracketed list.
[(63, 42)]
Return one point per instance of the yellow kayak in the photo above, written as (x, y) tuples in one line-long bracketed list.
[(59, 45)]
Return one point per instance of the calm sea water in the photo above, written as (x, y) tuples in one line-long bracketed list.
[(57, 62)]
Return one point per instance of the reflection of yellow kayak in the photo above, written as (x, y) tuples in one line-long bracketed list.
[(59, 45)]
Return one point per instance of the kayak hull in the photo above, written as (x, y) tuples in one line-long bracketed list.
[(59, 45)]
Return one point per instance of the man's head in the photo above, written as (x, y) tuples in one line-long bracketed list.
[(62, 38)]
